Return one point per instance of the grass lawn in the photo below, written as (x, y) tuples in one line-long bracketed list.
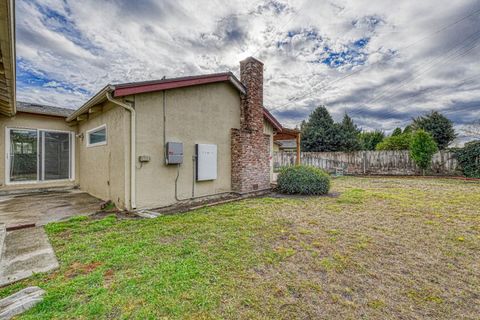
[(376, 248)]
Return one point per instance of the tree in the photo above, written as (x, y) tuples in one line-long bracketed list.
[(400, 142), (318, 132), (396, 132), (408, 129), (349, 132), (468, 159), (422, 149), (439, 126), (370, 140)]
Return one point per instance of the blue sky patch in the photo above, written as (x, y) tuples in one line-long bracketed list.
[(58, 22), (29, 77), (353, 55)]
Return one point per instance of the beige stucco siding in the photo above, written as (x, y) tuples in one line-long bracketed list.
[(268, 129), (200, 114), (104, 169), (33, 121)]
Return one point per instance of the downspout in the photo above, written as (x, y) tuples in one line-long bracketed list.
[(128, 107)]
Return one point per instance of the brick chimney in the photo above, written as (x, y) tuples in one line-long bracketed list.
[(249, 145), (251, 75)]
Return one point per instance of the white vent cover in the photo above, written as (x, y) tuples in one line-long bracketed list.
[(206, 162)]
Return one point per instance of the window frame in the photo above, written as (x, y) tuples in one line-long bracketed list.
[(97, 144)]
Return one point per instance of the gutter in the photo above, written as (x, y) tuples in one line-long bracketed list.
[(128, 107)]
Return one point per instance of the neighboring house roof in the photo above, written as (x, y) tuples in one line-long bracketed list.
[(125, 89), (36, 108), (7, 57), (287, 144)]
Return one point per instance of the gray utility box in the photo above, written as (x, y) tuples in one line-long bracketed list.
[(174, 152)]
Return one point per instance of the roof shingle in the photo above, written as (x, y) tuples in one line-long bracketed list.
[(43, 109)]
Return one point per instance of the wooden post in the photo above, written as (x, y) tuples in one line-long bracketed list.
[(297, 160)]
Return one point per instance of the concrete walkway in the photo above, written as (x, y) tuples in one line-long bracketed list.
[(25, 252), (43, 207)]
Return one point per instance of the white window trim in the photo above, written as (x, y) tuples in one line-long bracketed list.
[(38, 181), (103, 126)]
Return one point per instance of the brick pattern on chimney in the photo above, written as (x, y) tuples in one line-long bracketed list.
[(249, 145)]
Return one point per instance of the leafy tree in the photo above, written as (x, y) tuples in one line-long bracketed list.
[(408, 129), (349, 132), (468, 159), (370, 140), (422, 149), (400, 142), (396, 132), (439, 126)]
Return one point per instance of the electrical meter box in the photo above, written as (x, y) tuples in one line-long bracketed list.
[(206, 162), (174, 152)]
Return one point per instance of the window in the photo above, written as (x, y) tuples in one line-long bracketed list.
[(97, 136)]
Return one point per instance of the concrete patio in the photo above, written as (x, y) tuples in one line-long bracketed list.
[(27, 251), (41, 208)]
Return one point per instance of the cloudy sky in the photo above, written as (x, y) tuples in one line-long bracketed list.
[(383, 62)]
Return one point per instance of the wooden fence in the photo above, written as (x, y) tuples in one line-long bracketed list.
[(370, 162)]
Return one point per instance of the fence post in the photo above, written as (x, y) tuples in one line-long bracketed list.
[(364, 162)]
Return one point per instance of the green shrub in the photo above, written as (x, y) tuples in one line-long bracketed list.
[(422, 149), (303, 180), (469, 159), (398, 142)]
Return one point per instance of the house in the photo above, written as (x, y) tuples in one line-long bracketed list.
[(147, 144), (142, 144), (285, 145)]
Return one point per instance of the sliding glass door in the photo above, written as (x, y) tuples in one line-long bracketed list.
[(39, 155), (56, 155), (23, 155)]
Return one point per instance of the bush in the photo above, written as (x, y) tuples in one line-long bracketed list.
[(399, 142), (303, 180), (422, 149), (469, 159)]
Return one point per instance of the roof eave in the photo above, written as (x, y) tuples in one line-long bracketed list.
[(100, 97), (274, 122), (7, 43)]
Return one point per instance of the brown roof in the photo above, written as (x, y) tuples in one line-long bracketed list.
[(125, 89), (273, 121)]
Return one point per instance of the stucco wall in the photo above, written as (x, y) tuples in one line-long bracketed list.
[(33, 121), (268, 129), (104, 170), (200, 114)]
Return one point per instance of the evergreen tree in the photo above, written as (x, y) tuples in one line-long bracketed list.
[(349, 135), (439, 126), (319, 132), (370, 140), (396, 132)]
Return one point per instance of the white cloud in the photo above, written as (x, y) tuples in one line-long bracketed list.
[(79, 46)]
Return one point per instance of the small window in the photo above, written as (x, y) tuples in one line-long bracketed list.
[(97, 136)]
